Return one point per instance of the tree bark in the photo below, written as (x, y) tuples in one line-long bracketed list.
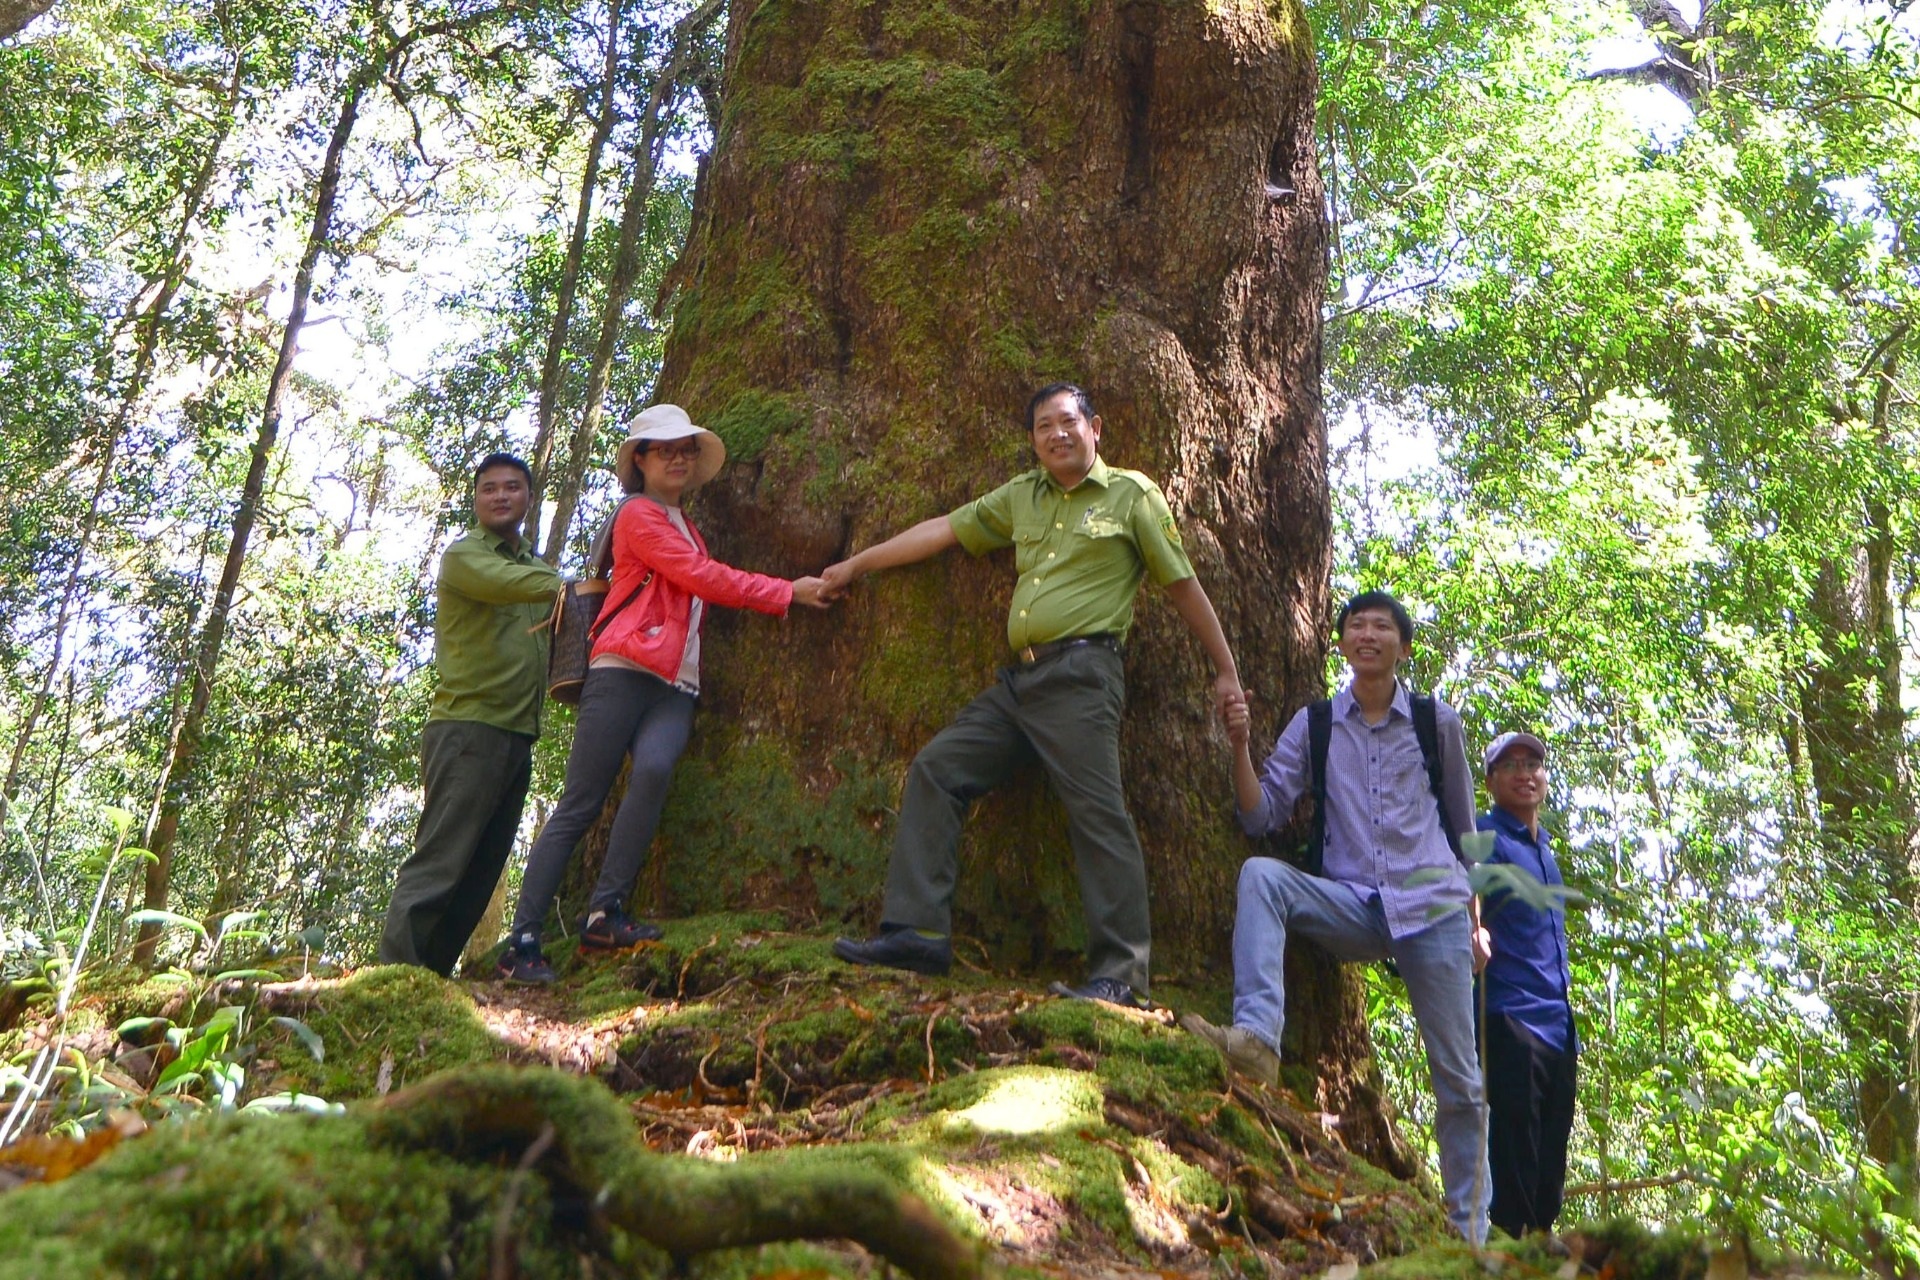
[(16, 14), (542, 453), (913, 216)]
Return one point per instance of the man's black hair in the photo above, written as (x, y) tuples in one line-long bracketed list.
[(493, 460), (1053, 389), (1402, 620)]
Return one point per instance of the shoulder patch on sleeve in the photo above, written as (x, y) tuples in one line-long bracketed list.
[(1170, 527)]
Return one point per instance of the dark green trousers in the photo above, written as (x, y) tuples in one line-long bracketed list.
[(476, 780), (1062, 714)]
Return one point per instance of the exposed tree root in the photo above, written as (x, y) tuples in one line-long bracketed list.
[(599, 1172)]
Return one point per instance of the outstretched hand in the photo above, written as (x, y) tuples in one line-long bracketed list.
[(1237, 717), (835, 579), (812, 592)]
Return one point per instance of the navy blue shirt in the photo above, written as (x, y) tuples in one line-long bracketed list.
[(1528, 977)]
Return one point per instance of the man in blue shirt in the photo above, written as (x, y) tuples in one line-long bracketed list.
[(1530, 1045)]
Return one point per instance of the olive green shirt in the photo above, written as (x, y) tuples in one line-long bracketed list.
[(492, 663), (1080, 553)]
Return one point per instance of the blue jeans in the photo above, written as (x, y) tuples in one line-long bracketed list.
[(1437, 966)]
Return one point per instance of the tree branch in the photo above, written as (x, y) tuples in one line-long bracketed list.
[(684, 1206)]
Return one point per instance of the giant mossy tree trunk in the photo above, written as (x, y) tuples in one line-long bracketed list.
[(915, 213)]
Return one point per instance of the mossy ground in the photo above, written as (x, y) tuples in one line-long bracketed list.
[(1069, 1137)]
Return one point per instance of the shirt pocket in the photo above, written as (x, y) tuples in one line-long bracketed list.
[(1406, 803), (1027, 548)]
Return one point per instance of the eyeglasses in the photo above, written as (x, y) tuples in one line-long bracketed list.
[(674, 452), (1525, 764)]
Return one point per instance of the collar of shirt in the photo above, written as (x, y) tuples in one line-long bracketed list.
[(1512, 826), (497, 543), (1098, 474), (1346, 706)]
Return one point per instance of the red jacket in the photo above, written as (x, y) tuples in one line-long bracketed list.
[(652, 629)]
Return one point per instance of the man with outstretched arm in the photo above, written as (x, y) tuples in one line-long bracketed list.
[(476, 754), (1390, 771), (1086, 534), (1530, 1044)]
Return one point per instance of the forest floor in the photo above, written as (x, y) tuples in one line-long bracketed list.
[(666, 1109)]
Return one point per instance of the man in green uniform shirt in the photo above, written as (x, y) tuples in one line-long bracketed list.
[(1085, 534), (476, 755)]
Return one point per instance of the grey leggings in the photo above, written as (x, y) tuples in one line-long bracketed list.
[(621, 712)]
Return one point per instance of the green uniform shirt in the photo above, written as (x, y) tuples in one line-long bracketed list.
[(1080, 554), (492, 664)]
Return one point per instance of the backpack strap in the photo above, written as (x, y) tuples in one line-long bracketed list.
[(600, 554), (600, 565), (1426, 729), (1319, 738)]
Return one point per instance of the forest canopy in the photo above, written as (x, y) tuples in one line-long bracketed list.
[(1620, 393)]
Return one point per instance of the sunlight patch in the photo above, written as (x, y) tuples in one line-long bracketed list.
[(1042, 1100)]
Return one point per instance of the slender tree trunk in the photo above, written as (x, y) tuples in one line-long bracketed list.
[(177, 772), (550, 368), (626, 267), (1855, 730), (908, 225), (147, 321)]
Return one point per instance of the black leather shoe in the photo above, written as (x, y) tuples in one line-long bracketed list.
[(1106, 990), (898, 949)]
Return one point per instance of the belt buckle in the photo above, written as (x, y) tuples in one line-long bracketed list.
[(1026, 657)]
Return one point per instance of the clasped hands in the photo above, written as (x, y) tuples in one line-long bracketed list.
[(824, 591)]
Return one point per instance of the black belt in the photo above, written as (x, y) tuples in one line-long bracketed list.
[(1053, 648)]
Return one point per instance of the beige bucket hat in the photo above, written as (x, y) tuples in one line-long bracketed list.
[(665, 422)]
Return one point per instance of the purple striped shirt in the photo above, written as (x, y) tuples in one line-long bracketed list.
[(1382, 823)]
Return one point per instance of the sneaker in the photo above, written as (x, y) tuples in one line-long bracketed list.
[(898, 948), (1106, 990), (1244, 1051), (615, 931), (522, 964)]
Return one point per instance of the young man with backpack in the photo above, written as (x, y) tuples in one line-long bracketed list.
[(1385, 881)]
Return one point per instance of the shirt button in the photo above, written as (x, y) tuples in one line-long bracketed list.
[(1052, 554), (1058, 525), (1023, 613), (1036, 582)]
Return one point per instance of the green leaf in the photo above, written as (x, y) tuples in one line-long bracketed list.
[(308, 1036), (168, 920), (296, 1102), (246, 975), (133, 1028)]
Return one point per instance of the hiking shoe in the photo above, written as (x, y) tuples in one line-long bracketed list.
[(615, 931), (1106, 990), (898, 948), (1244, 1051), (522, 964)]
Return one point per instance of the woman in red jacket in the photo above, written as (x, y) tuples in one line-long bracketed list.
[(641, 683)]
